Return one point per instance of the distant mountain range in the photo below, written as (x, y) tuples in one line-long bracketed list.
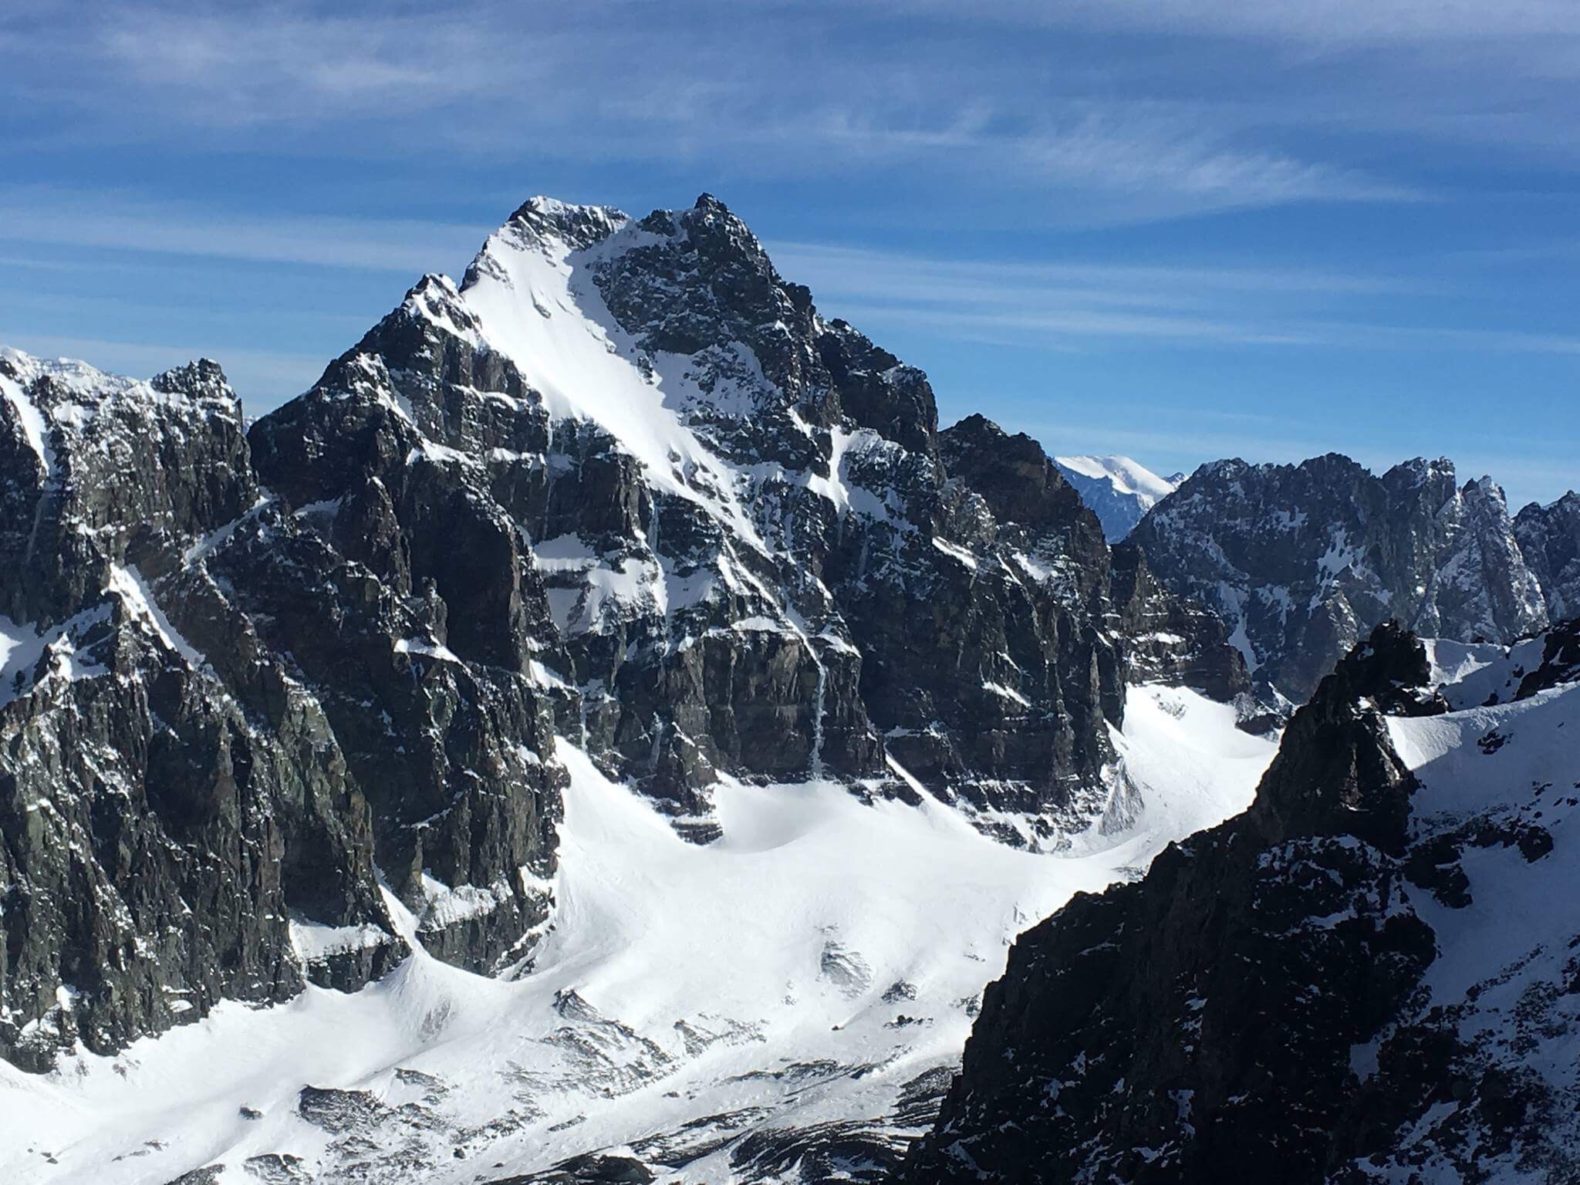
[(1302, 561)]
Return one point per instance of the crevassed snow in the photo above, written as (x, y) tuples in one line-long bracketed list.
[(802, 968)]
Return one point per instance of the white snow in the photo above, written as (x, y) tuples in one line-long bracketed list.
[(426, 648), (128, 583), (1192, 766), (1117, 489), (955, 552), (444, 905), (1472, 674), (22, 647), (313, 941), (1505, 957), (1453, 662), (33, 425), (1008, 693), (18, 640), (677, 981), (538, 306), (1125, 475)]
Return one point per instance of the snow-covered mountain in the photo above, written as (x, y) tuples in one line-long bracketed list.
[(1371, 975), (1302, 561), (606, 730), (1119, 491), (614, 557)]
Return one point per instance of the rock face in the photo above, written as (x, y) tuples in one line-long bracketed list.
[(1549, 539), (269, 697), (1351, 982), (737, 536), (1171, 639), (1302, 561), (176, 815)]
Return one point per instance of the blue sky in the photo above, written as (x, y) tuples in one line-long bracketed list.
[(1174, 230)]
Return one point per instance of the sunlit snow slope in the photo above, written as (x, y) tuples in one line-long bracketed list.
[(799, 988), (1118, 490)]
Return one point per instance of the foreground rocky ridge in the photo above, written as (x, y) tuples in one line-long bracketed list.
[(1303, 561), (1368, 976), (623, 484)]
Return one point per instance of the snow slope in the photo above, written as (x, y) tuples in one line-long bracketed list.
[(1118, 490), (815, 970), (1502, 782)]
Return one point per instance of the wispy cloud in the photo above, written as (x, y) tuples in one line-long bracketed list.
[(870, 272), (1355, 140), (1322, 21), (1082, 306), (1072, 305), (788, 93), (128, 222)]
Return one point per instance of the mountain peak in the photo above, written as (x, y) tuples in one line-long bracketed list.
[(541, 218), (203, 379), (76, 388), (1119, 490)]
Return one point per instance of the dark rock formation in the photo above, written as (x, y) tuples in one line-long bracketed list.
[(1170, 639), (167, 819), (1255, 1008)]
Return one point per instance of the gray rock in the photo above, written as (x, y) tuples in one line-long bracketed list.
[(1302, 561), (263, 676), (1549, 538)]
